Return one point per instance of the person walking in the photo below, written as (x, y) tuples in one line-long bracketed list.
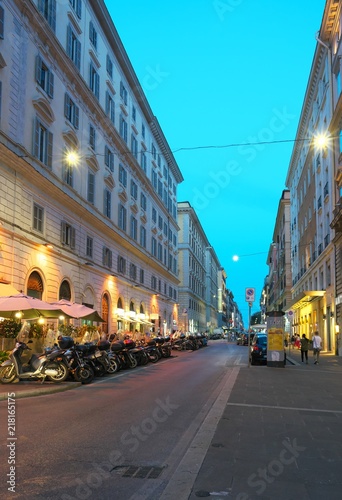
[(304, 347), (317, 346)]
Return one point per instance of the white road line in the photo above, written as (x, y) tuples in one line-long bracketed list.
[(283, 408)]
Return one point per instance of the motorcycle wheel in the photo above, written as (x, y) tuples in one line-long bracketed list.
[(7, 374), (153, 356), (62, 373), (133, 363), (113, 366), (84, 374)]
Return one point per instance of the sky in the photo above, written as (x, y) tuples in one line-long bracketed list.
[(218, 74)]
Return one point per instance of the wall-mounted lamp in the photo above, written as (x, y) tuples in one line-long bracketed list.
[(49, 246), (324, 316)]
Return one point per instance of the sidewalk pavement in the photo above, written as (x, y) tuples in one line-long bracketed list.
[(280, 435), (27, 389)]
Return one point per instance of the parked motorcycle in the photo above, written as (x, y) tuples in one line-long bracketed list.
[(163, 345), (79, 368), (126, 359), (53, 366)]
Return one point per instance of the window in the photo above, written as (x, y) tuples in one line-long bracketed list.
[(91, 187), (154, 246), (92, 34), (121, 265), (73, 47), (107, 257), (43, 143), (154, 180), (143, 201), (67, 235), (134, 146), (134, 190), (71, 111), (2, 22), (134, 228), (77, 6), (122, 175), (67, 173), (109, 158), (110, 107), (134, 113), (89, 247), (48, 10), (109, 66), (123, 128), (44, 76), (142, 276), (122, 217), (143, 236), (143, 161), (107, 203), (154, 152), (133, 271), (154, 283), (160, 188), (38, 218), (123, 93), (160, 252), (154, 215), (160, 222), (94, 81), (143, 130), (92, 137)]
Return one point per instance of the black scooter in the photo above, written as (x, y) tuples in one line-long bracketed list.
[(52, 365)]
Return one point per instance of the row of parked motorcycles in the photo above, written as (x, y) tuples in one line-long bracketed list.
[(85, 361)]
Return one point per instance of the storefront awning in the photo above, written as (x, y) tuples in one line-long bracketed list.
[(304, 298)]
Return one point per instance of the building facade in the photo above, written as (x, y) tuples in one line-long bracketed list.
[(88, 181), (311, 180)]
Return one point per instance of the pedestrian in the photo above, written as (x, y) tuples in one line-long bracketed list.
[(297, 341), (317, 346), (304, 347)]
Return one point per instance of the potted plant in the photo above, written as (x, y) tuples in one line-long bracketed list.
[(9, 329)]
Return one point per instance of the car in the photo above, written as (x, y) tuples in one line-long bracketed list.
[(258, 352)]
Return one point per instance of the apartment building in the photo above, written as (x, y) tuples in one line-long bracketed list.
[(312, 179), (279, 283), (88, 183)]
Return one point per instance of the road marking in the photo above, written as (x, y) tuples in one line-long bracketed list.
[(180, 484), (283, 408)]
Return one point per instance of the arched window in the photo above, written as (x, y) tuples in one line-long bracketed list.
[(35, 285), (64, 291), (119, 306)]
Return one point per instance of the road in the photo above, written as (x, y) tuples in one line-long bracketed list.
[(123, 436)]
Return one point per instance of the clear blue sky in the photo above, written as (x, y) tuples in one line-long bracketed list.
[(218, 73)]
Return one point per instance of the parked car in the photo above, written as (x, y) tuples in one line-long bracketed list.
[(258, 352)]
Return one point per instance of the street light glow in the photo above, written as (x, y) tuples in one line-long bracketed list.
[(235, 258), (322, 140), (72, 158)]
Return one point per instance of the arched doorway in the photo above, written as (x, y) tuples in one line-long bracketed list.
[(105, 312)]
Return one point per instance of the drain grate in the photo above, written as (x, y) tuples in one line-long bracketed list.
[(140, 471)]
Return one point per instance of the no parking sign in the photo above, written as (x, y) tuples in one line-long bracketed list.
[(250, 294)]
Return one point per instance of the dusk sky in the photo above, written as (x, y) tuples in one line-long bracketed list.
[(217, 74)]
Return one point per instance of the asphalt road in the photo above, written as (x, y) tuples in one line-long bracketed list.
[(122, 437)]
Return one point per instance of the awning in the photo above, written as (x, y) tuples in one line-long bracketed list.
[(304, 298)]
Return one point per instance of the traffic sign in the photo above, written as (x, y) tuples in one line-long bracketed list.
[(250, 294)]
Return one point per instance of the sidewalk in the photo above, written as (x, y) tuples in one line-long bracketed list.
[(280, 435), (27, 389)]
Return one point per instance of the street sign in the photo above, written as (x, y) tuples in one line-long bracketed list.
[(250, 294)]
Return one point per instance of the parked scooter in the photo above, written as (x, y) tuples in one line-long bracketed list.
[(79, 368), (53, 366)]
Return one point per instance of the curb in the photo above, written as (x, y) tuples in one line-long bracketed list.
[(38, 391)]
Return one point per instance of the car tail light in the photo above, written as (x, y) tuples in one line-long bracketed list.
[(256, 348)]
